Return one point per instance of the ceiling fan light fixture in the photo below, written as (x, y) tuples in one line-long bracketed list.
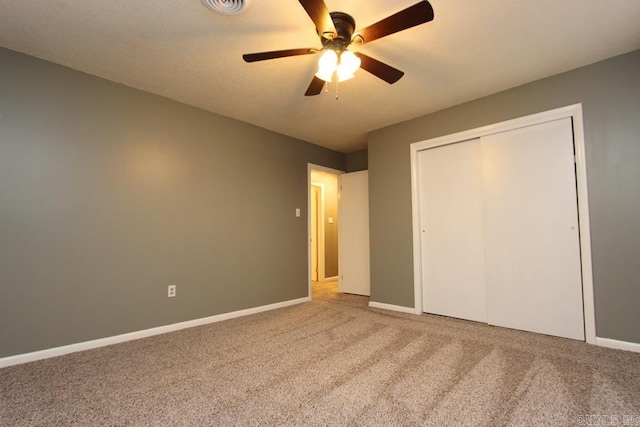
[(344, 67), (227, 7)]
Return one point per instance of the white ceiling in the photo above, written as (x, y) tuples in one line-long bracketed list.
[(184, 51)]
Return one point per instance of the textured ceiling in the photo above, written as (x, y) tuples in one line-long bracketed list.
[(182, 50)]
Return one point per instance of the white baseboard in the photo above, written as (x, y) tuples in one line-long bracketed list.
[(392, 307), (620, 345), (102, 342)]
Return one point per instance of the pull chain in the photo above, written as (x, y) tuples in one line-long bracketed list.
[(337, 94)]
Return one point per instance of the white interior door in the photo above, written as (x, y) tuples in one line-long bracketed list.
[(451, 218), (531, 236), (353, 233)]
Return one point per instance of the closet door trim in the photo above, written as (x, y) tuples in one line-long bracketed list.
[(575, 113)]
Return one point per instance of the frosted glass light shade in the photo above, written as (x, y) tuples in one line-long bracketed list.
[(349, 64), (327, 64), (349, 61), (343, 74)]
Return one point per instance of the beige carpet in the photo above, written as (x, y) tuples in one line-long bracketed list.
[(333, 361)]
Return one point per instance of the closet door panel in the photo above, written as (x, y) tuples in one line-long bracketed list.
[(531, 236), (451, 231)]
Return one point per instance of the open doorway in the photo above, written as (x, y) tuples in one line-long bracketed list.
[(323, 224)]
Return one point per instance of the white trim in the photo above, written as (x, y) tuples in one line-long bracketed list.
[(321, 232), (102, 342), (320, 225), (312, 166), (620, 345), (415, 224), (575, 113), (331, 279), (399, 308), (533, 119), (588, 299)]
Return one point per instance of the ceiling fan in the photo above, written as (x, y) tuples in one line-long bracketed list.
[(337, 32)]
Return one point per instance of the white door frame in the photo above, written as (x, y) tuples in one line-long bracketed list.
[(314, 240), (310, 167), (572, 111), (319, 230)]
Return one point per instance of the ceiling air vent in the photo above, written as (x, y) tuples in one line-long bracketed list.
[(228, 7)]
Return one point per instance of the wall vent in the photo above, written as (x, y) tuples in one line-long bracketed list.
[(227, 7)]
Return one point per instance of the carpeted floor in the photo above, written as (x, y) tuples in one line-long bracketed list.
[(332, 361)]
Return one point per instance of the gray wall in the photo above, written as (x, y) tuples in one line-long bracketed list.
[(109, 194), (357, 161), (610, 94)]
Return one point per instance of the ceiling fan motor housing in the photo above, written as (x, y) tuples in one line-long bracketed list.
[(345, 26)]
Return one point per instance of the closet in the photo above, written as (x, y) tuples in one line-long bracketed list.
[(499, 232)]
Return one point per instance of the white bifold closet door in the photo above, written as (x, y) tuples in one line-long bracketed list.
[(499, 229), (452, 231), (531, 230)]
